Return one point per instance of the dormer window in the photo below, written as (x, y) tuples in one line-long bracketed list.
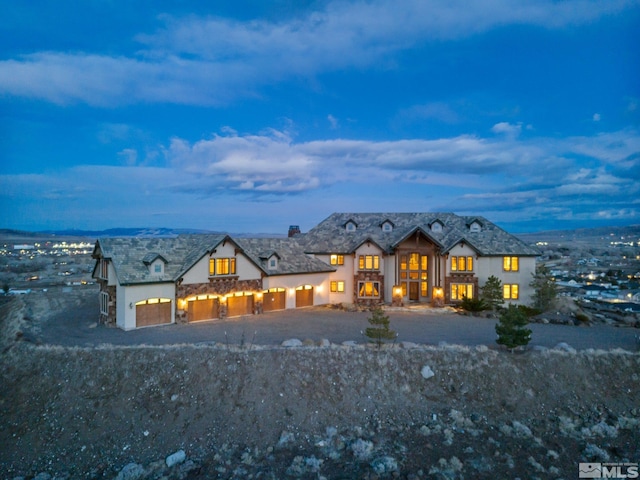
[(273, 262), (155, 263), (475, 226), (387, 226), (350, 226), (436, 226)]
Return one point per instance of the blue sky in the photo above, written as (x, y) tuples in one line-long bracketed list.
[(249, 116)]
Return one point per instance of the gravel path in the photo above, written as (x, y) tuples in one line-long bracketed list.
[(77, 327)]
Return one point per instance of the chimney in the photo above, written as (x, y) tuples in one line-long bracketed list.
[(293, 230)]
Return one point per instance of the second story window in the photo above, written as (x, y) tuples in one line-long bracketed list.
[(510, 264), (222, 266), (337, 259), (369, 262), (461, 264)]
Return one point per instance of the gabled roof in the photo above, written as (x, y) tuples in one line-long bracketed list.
[(131, 256), (149, 258), (292, 258), (128, 255), (329, 237)]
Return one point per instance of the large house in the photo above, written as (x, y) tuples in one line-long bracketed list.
[(361, 258)]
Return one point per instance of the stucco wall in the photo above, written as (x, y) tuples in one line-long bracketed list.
[(245, 269)]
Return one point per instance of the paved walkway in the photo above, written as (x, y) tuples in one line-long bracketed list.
[(424, 326)]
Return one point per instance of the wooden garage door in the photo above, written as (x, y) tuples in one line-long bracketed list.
[(154, 311), (203, 309), (304, 296), (274, 299), (240, 306)]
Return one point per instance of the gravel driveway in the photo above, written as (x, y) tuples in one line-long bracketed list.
[(77, 327)]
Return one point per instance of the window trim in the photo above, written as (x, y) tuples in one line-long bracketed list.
[(456, 263), (508, 262), (375, 262), (511, 291), (104, 303), (214, 266), (457, 297), (375, 287), (338, 260)]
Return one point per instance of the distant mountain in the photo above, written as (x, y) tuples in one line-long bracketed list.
[(120, 232), (629, 233)]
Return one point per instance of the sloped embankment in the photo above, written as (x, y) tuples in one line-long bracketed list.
[(331, 409)]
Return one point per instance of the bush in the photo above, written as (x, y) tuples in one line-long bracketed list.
[(511, 328), (474, 304), (380, 330), (492, 293)]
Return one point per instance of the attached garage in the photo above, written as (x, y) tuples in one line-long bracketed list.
[(304, 296), (203, 307), (153, 311), (240, 305), (274, 299)]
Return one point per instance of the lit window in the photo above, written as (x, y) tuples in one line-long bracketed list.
[(461, 264), (369, 262), (337, 259), (461, 290), (511, 291), (222, 266), (510, 264), (337, 286), (369, 289)]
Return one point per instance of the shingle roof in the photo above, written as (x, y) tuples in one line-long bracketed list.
[(330, 236), (131, 256), (292, 258)]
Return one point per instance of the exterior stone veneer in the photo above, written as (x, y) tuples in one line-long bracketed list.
[(218, 286), (110, 318), (459, 278), (368, 276)]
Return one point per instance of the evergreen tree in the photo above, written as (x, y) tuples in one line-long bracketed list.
[(380, 330), (492, 293), (545, 289), (511, 328)]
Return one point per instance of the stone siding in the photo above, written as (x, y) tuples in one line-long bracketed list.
[(368, 276)]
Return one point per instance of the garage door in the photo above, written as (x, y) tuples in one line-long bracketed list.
[(240, 305), (304, 296), (203, 309), (153, 311), (274, 299)]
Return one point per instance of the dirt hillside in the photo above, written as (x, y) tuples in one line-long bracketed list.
[(310, 412)]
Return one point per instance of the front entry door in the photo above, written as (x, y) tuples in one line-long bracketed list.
[(414, 291)]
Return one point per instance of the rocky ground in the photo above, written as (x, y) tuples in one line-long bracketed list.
[(333, 411)]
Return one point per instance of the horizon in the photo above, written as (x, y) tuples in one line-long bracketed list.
[(258, 115)]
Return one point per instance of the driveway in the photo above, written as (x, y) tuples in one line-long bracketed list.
[(425, 326)]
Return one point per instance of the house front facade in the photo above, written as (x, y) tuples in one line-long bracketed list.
[(365, 259), (436, 258)]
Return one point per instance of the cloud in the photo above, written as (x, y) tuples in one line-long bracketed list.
[(212, 61), (507, 129), (333, 121), (502, 177)]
